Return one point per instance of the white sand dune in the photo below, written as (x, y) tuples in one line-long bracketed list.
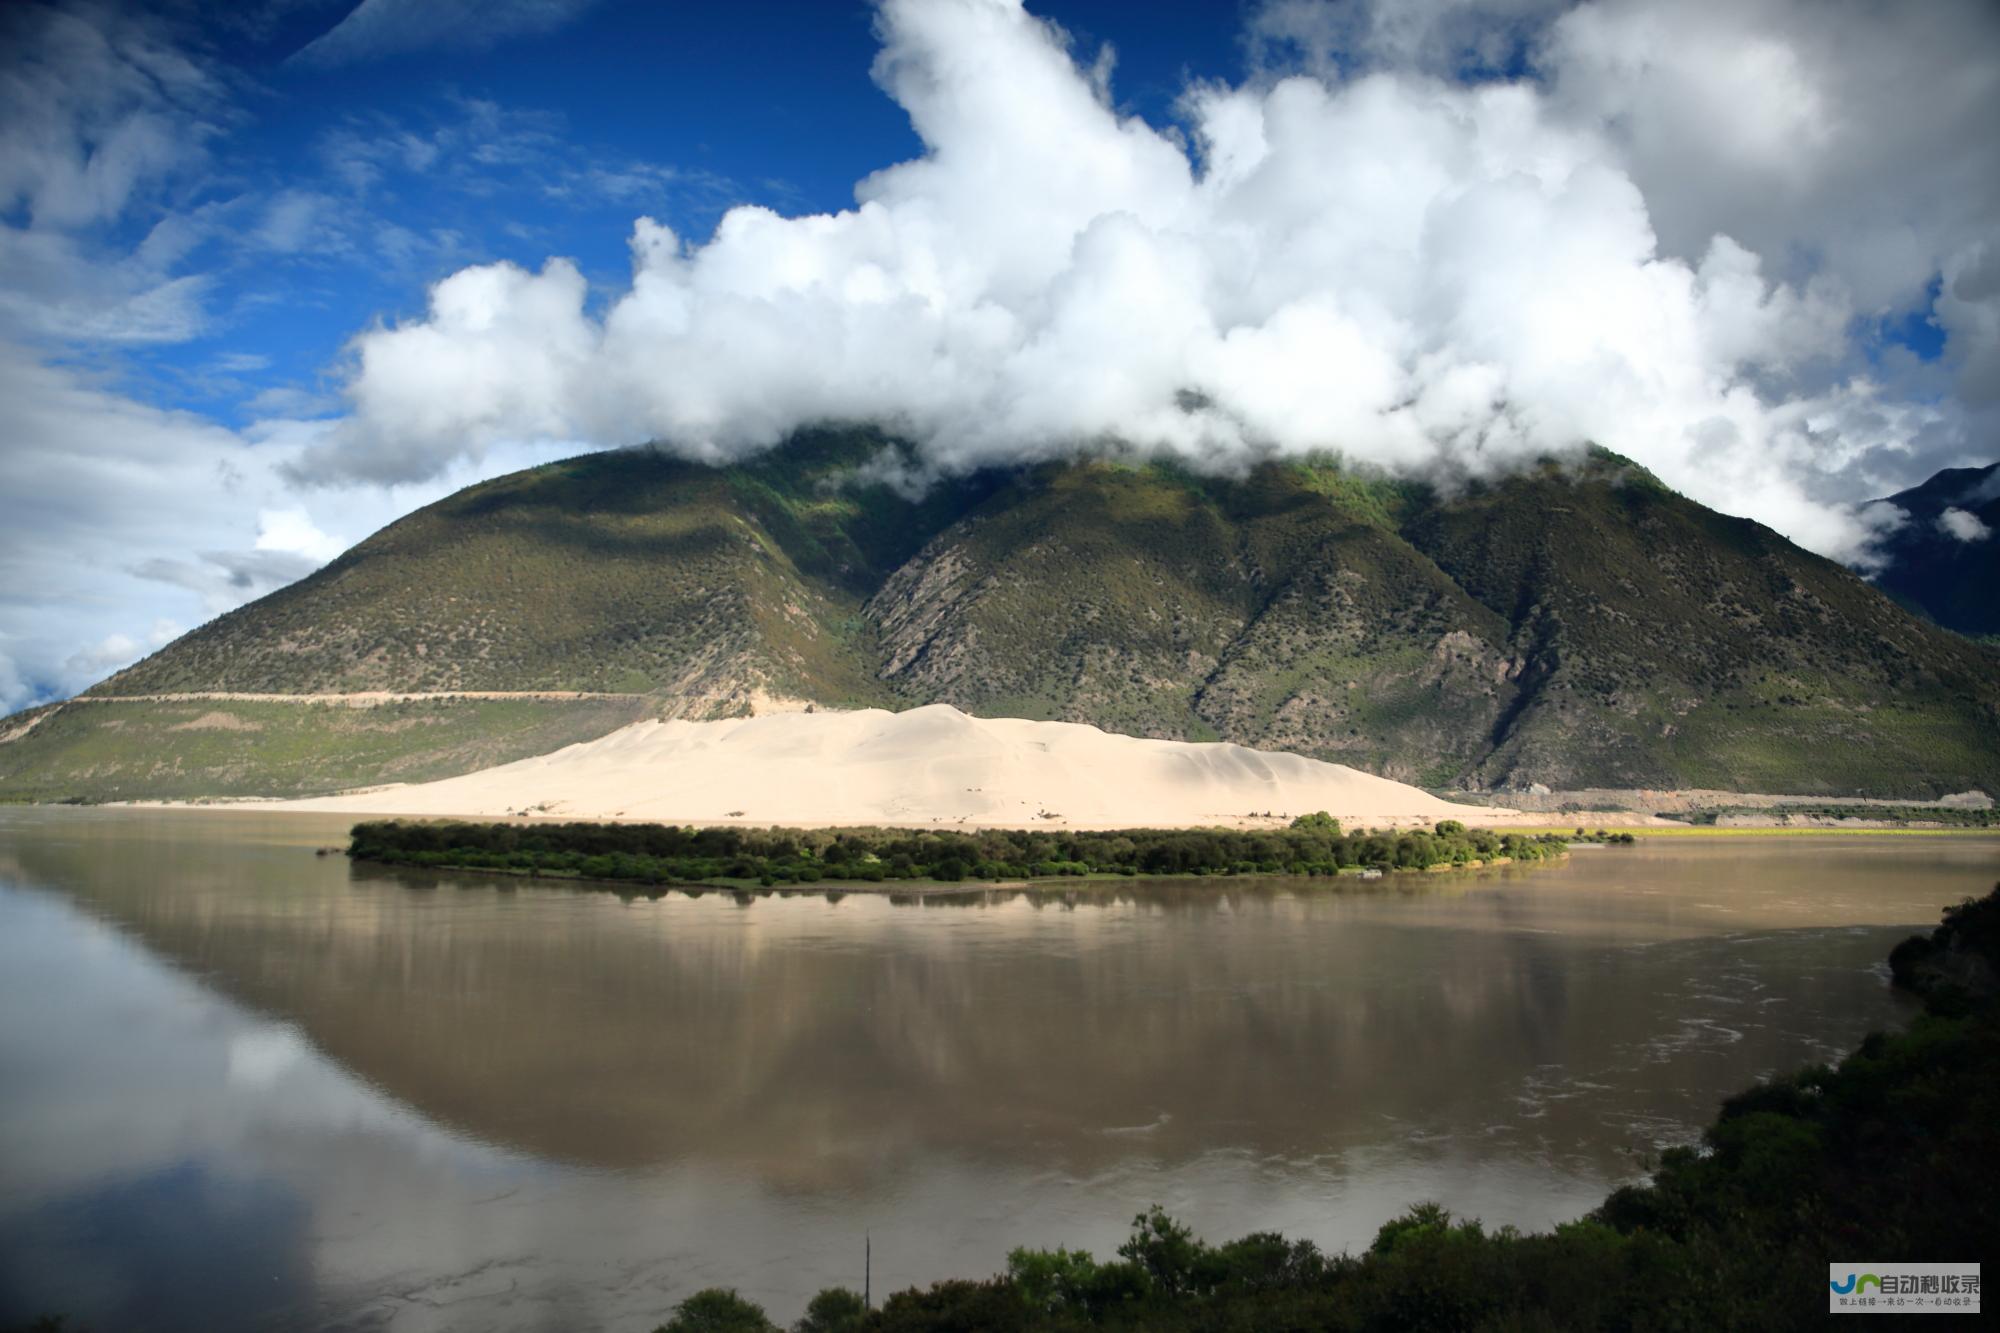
[(928, 765)]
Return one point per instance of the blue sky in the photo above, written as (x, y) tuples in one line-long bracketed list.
[(368, 177), (377, 175), (272, 274)]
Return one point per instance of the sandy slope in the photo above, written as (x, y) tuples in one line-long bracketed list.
[(927, 765)]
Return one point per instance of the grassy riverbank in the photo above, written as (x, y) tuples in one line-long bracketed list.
[(1879, 1156), (1642, 832), (664, 855), (89, 751), (1932, 817)]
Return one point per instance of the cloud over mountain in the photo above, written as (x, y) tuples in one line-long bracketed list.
[(1749, 243), (1670, 238)]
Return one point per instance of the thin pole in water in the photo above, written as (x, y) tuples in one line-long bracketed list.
[(867, 1271)]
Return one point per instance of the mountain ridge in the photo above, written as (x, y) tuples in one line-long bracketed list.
[(1574, 624), (1950, 578)]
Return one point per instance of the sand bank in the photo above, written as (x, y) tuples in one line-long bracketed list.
[(932, 765)]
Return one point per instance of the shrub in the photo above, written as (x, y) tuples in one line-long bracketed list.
[(834, 1310), (718, 1310)]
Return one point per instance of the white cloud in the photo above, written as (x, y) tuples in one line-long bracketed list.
[(1968, 308), (377, 28), (99, 110), (124, 522), (1963, 526), (1854, 132), (100, 106), (223, 580), (52, 287), (15, 692), (116, 651), (95, 484), (292, 532), (296, 220), (1412, 272), (1838, 137)]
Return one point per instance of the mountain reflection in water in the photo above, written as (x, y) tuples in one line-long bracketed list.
[(481, 1102)]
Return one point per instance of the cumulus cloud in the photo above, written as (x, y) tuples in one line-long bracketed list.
[(1963, 526), (292, 532), (392, 27), (1840, 132), (1415, 272)]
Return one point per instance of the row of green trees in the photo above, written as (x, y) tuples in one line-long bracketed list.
[(662, 854), (1878, 1157)]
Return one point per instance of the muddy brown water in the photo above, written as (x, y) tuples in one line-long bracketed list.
[(242, 1086)]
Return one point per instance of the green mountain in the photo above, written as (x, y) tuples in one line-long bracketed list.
[(1952, 578), (1573, 626)]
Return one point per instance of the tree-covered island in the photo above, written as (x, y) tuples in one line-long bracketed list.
[(666, 854)]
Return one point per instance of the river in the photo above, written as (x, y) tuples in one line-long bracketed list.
[(247, 1087)]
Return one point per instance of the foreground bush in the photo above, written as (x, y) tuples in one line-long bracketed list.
[(718, 1310)]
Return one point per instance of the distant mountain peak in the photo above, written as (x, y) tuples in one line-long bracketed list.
[(1944, 561)]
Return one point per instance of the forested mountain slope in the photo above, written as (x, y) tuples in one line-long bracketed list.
[(1576, 625)]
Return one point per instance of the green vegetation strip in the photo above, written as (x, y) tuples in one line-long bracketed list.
[(1880, 1156), (1942, 816), (662, 854)]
